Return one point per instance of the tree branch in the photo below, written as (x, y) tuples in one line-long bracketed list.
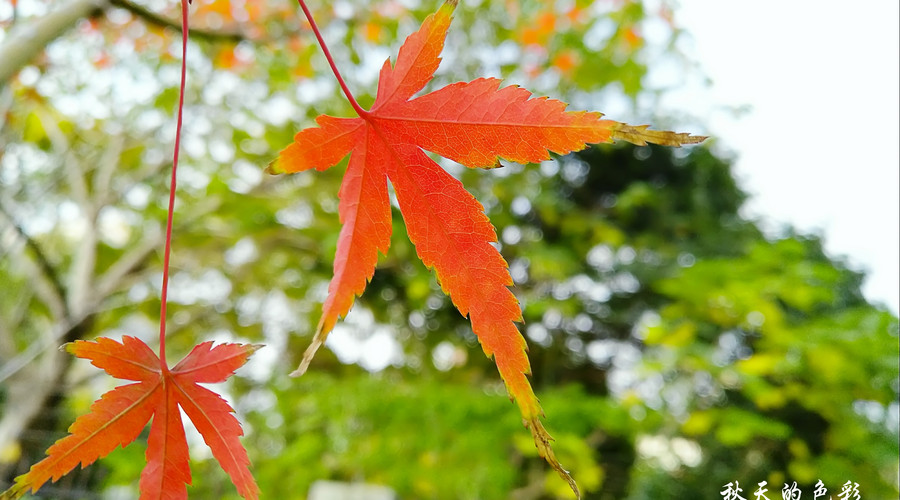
[(103, 173), (29, 39), (163, 22), (16, 315), (129, 262), (47, 269)]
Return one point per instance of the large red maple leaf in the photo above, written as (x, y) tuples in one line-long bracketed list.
[(119, 416), (474, 123)]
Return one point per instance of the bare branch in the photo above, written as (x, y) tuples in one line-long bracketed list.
[(128, 263), (29, 39), (16, 315), (82, 271), (105, 170), (46, 269), (74, 169), (6, 102), (61, 333), (156, 19)]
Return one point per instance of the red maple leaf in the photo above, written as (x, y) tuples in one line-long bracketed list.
[(119, 416), (474, 123)]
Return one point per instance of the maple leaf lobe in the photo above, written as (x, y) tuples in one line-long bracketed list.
[(318, 147), (131, 359)]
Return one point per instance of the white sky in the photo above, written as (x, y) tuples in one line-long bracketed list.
[(820, 148)]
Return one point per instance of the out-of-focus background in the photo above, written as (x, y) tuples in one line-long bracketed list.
[(807, 72), (683, 334)]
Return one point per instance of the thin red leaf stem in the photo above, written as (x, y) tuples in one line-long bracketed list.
[(356, 107), (171, 214)]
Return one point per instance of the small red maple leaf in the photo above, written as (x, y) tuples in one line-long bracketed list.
[(119, 416), (474, 123)]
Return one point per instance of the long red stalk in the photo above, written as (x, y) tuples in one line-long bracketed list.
[(171, 213), (312, 22)]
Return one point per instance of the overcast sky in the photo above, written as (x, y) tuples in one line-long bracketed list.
[(820, 147)]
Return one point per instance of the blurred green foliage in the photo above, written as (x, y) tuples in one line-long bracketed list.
[(675, 346)]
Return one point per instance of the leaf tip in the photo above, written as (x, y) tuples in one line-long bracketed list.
[(641, 135), (448, 7), (542, 441), (18, 489), (274, 167), (308, 355), (695, 139), (322, 331)]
